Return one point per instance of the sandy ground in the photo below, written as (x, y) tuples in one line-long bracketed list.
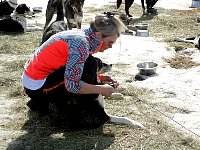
[(175, 87)]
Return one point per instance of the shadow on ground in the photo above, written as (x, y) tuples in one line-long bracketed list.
[(41, 134), (144, 17)]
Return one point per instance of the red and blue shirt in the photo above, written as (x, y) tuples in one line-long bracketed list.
[(67, 48)]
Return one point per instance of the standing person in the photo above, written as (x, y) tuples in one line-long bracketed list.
[(59, 64)]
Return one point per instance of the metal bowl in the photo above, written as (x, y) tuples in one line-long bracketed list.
[(195, 4), (37, 9), (147, 68), (142, 33), (142, 26)]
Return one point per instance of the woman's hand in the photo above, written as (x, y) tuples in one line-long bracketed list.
[(107, 90), (108, 80)]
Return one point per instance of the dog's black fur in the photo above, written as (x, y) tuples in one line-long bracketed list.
[(128, 3), (17, 21), (5, 8), (76, 111), (71, 9), (83, 110), (53, 28)]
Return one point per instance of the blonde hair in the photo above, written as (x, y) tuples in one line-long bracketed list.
[(108, 25)]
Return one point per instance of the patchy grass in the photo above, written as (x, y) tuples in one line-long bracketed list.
[(182, 62), (19, 43), (40, 133), (165, 25)]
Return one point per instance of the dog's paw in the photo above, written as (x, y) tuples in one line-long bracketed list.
[(126, 121), (136, 124), (117, 96), (121, 88), (132, 123)]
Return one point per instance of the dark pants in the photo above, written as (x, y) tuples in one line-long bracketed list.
[(79, 109)]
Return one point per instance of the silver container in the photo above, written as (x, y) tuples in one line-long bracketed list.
[(37, 9), (142, 26), (195, 4), (142, 33), (147, 68)]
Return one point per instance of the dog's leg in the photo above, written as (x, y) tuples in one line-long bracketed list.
[(78, 21), (51, 8), (191, 40), (128, 4), (148, 3), (60, 12), (126, 121), (143, 7), (69, 24), (119, 120), (119, 3), (79, 25), (100, 99)]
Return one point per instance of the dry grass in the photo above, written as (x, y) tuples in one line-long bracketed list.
[(41, 134), (182, 62), (165, 26)]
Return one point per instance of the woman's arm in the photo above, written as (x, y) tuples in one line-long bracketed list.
[(105, 90)]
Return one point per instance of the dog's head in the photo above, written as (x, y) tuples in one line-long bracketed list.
[(53, 28), (102, 67), (23, 9), (77, 6)]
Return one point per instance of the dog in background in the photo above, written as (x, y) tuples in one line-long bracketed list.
[(17, 21), (70, 9), (128, 3), (7, 7), (53, 28)]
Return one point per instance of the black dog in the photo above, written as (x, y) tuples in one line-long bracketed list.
[(128, 3), (17, 21), (86, 111), (53, 28), (7, 7), (71, 9)]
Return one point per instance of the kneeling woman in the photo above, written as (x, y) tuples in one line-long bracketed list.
[(55, 72)]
